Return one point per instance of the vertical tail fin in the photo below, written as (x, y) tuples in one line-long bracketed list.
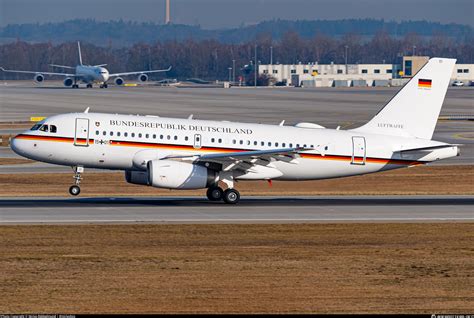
[(414, 110), (79, 50)]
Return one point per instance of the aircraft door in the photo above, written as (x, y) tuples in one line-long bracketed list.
[(197, 141), (81, 137), (358, 151)]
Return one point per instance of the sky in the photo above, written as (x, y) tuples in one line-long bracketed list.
[(212, 14)]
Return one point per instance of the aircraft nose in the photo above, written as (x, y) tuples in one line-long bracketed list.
[(15, 145), (105, 77)]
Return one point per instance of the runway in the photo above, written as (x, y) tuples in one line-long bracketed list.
[(250, 210)]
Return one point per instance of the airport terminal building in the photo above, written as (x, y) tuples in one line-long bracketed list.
[(356, 75)]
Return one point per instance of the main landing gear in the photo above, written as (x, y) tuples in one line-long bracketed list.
[(75, 189), (89, 85), (230, 196), (104, 85)]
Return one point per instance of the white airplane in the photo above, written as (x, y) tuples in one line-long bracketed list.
[(88, 74), (192, 154)]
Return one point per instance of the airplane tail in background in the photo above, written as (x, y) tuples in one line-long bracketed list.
[(414, 110), (79, 50)]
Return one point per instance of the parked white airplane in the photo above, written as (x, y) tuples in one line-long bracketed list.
[(88, 74), (192, 154)]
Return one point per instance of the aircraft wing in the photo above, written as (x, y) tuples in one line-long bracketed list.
[(139, 72), (245, 160), (31, 72)]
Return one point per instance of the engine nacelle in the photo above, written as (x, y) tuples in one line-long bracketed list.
[(68, 82), (119, 81), (39, 78), (171, 174), (143, 77), (136, 177)]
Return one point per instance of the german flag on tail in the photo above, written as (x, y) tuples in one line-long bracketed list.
[(424, 83)]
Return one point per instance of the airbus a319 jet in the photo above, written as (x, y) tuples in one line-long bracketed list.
[(88, 74), (192, 154)]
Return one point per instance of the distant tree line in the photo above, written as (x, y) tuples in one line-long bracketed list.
[(125, 33), (211, 59)]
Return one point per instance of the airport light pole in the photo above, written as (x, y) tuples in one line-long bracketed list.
[(414, 50), (230, 70), (346, 47), (271, 55), (256, 67), (233, 71)]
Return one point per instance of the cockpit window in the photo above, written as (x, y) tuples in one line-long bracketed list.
[(53, 129), (44, 128), (36, 127)]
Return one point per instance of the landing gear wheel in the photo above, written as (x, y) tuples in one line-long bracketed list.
[(74, 190), (215, 193), (231, 196), (89, 85), (106, 85), (75, 86)]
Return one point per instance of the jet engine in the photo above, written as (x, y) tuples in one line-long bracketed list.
[(68, 82), (119, 81), (171, 174), (39, 78), (143, 77), (136, 177)]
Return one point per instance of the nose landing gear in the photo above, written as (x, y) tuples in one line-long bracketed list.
[(75, 189)]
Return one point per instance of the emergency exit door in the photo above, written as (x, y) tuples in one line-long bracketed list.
[(81, 137), (358, 151)]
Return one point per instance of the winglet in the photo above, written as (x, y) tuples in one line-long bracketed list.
[(87, 110)]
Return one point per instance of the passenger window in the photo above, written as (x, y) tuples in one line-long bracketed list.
[(248, 142), (220, 140), (255, 143), (161, 136), (262, 143), (326, 148), (154, 136), (111, 133), (186, 138), (147, 136), (118, 134), (125, 134), (44, 128), (133, 134), (283, 145), (269, 144), (241, 142), (234, 141), (175, 137), (212, 140), (97, 132), (304, 146), (297, 145), (53, 129), (168, 137), (104, 133), (140, 135), (276, 144)]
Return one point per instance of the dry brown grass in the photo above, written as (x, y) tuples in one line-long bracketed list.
[(417, 180), (361, 268)]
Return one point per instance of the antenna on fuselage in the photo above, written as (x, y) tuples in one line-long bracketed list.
[(87, 110), (79, 50), (282, 123), (190, 116)]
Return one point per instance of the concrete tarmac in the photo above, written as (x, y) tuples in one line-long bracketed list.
[(319, 209)]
